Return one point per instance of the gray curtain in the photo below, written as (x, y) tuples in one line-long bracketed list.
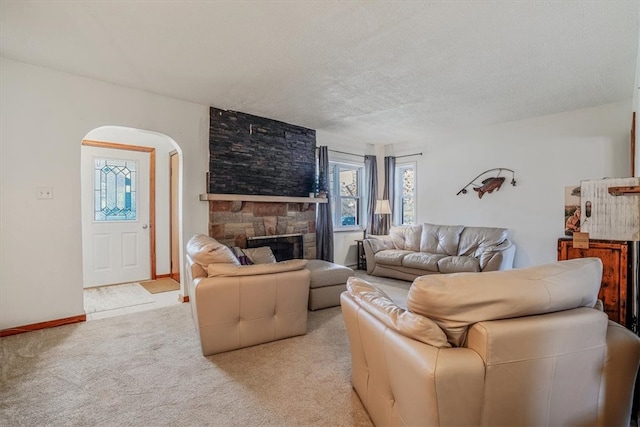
[(389, 190), (324, 222), (371, 178)]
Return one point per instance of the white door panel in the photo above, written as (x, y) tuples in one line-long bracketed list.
[(101, 251), (129, 249), (115, 250)]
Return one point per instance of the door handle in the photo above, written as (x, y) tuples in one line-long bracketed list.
[(144, 226)]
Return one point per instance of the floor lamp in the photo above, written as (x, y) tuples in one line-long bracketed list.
[(382, 208)]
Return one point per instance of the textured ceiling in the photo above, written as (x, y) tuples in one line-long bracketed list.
[(379, 72)]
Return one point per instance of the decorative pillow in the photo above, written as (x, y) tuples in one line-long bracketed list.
[(242, 258), (206, 250), (228, 270), (261, 255), (379, 305), (456, 301)]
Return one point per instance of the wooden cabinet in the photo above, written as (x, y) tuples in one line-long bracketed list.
[(615, 272)]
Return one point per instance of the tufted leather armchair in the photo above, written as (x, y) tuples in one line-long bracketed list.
[(510, 348), (236, 306)]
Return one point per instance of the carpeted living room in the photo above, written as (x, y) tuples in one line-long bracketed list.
[(312, 213), (147, 368)]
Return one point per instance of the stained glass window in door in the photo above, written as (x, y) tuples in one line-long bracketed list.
[(115, 190)]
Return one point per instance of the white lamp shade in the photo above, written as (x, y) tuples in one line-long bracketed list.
[(382, 207)]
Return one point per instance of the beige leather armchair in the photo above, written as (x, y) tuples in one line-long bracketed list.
[(510, 348), (236, 306)]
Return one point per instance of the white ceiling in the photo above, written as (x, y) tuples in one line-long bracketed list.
[(379, 72)]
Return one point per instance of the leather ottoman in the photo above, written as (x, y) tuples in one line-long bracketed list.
[(328, 281)]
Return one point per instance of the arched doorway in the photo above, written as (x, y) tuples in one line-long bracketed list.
[(151, 246)]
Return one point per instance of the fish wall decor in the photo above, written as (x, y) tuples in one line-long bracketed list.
[(489, 184)]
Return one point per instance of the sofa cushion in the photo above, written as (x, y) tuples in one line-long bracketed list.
[(215, 270), (474, 240), (412, 237), (422, 260), (206, 250), (260, 255), (455, 301), (396, 235), (391, 256), (458, 264), (440, 239), (411, 325)]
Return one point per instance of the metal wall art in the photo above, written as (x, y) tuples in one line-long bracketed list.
[(489, 184)]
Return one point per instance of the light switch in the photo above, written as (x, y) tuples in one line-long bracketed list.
[(44, 193)]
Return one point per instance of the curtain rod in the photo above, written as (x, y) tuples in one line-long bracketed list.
[(360, 155), (343, 152), (409, 155)]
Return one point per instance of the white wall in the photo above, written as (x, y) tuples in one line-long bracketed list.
[(547, 154), (44, 117)]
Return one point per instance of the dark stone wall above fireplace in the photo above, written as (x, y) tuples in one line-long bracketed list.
[(259, 156)]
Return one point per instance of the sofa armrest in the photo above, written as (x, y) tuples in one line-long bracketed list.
[(621, 359), (402, 381), (498, 257), (372, 245), (231, 270)]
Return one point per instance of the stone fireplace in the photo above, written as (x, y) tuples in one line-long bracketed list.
[(232, 222), (261, 172)]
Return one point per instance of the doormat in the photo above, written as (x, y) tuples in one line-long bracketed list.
[(165, 284)]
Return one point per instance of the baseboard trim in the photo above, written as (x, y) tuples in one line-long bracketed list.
[(183, 298), (162, 276), (43, 325)]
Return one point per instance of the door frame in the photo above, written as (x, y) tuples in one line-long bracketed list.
[(152, 189), (174, 215)]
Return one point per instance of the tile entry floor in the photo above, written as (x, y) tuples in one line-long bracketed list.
[(161, 299)]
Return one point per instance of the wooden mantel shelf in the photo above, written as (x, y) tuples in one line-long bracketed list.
[(252, 198), (622, 191)]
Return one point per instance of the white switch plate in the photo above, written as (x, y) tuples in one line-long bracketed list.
[(44, 193)]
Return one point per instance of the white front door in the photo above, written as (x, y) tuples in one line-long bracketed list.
[(115, 216)]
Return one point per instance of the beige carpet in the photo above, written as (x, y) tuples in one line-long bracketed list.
[(146, 369), (164, 284)]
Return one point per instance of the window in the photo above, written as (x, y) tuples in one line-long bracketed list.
[(345, 186), (114, 190), (405, 203)]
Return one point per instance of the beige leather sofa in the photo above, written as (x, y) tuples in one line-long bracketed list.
[(510, 348), (415, 250), (237, 306)]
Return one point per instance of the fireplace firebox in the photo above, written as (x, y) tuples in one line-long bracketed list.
[(284, 247)]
